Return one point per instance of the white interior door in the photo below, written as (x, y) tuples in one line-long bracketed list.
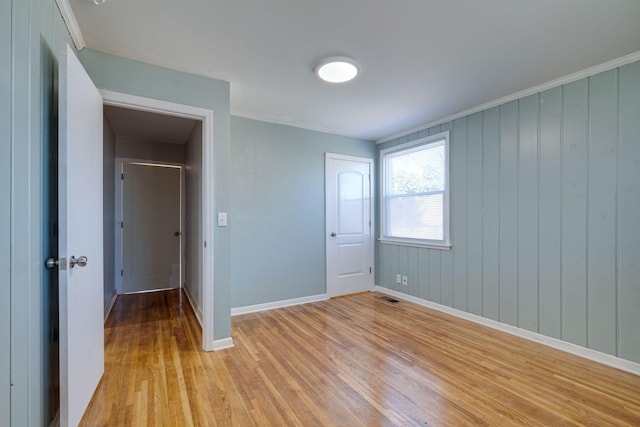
[(349, 241), (151, 232), (80, 238)]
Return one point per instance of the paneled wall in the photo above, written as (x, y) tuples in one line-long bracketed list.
[(32, 33), (545, 202), (5, 211)]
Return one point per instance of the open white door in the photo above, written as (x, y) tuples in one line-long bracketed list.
[(80, 239), (349, 220)]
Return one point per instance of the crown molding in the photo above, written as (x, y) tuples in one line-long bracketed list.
[(588, 72), (72, 24)]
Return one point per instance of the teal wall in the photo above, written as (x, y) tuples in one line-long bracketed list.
[(34, 32), (5, 210), (545, 196), (137, 78), (277, 209)]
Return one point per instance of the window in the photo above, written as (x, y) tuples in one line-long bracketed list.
[(415, 192)]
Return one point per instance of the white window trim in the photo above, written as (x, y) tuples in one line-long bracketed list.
[(421, 243)]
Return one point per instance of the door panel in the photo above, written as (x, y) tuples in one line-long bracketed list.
[(80, 234), (151, 218), (349, 240)]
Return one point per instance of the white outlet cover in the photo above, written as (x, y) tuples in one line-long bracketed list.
[(405, 280), (222, 219), (398, 278)]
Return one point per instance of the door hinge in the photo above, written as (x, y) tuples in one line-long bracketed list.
[(370, 270), (121, 224), (121, 273), (121, 176)]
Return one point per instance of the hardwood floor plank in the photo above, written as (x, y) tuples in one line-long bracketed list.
[(353, 361)]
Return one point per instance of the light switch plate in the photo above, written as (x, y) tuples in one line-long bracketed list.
[(222, 219)]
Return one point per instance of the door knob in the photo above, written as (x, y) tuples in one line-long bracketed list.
[(51, 263), (333, 234), (80, 261)]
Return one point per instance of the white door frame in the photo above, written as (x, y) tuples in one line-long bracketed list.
[(328, 158), (134, 102), (119, 214)]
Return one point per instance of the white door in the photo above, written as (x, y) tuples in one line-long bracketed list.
[(349, 241), (80, 239), (151, 232)]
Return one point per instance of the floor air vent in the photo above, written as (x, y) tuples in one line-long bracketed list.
[(389, 299)]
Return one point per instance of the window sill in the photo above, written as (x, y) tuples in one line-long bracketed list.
[(387, 241)]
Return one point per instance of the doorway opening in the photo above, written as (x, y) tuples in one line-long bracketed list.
[(150, 236), (150, 137)]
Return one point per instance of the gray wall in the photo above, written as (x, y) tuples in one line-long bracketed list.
[(37, 35), (137, 78), (277, 209), (545, 195), (5, 210), (108, 203), (193, 213), (129, 148)]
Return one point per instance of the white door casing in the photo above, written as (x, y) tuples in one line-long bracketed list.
[(349, 220), (151, 210), (135, 102), (80, 234)]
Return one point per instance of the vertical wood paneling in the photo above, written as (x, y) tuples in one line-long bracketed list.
[(474, 214), (412, 271), (509, 213), (459, 212), (550, 211), (603, 159), (434, 276), (628, 213), (5, 211), (446, 278), (446, 259), (20, 246), (528, 214), (574, 213), (545, 197), (423, 272), (393, 266), (491, 212), (382, 270), (403, 265)]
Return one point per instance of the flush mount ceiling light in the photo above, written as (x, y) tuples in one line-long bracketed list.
[(98, 2), (337, 69)]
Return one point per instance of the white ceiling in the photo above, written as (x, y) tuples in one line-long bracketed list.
[(421, 60), (151, 127)]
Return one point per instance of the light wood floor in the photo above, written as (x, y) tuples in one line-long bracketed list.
[(353, 361)]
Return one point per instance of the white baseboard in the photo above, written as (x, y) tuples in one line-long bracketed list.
[(277, 304), (193, 304), (109, 307), (596, 356), (222, 344)]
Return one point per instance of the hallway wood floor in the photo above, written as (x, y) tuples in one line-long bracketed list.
[(353, 361)]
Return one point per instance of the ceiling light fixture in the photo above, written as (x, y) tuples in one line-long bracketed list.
[(337, 69), (98, 2)]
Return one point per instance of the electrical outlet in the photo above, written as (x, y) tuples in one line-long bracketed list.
[(398, 278), (405, 280)]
